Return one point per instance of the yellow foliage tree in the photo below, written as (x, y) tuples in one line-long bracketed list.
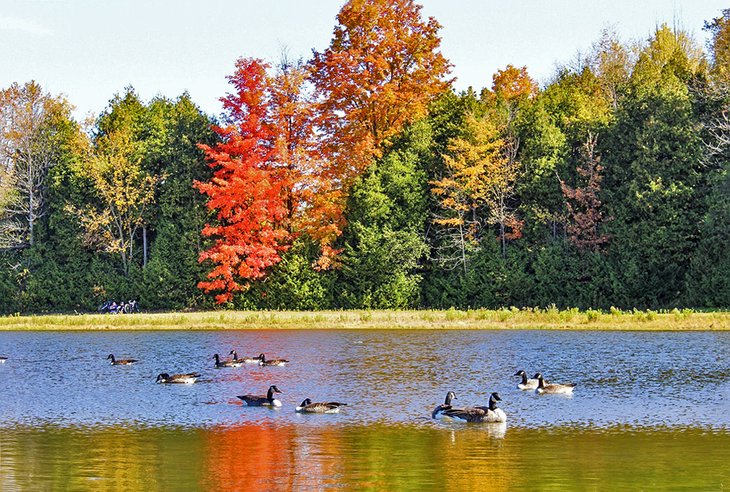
[(481, 170), (123, 192)]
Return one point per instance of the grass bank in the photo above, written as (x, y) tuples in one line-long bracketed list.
[(502, 319)]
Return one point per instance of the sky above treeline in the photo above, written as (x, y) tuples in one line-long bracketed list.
[(89, 50)]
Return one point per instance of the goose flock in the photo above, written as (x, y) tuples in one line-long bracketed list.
[(267, 400), (490, 413)]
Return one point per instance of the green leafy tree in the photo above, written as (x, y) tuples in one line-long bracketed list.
[(383, 242), (123, 193), (174, 224), (709, 269), (654, 176)]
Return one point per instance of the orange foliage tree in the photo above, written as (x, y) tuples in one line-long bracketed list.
[(511, 88), (312, 196), (380, 72)]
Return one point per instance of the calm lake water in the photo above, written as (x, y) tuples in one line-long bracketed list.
[(651, 411)]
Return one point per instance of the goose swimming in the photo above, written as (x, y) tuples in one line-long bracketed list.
[(446, 405), (319, 407), (121, 362), (262, 401), (245, 360), (526, 384), (263, 361), (226, 363), (553, 388), (188, 378)]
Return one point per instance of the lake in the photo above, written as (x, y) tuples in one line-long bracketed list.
[(650, 411)]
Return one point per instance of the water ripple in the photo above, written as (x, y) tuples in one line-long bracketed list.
[(387, 377)]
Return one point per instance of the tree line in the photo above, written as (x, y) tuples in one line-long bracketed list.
[(361, 179)]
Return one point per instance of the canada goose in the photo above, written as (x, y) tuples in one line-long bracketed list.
[(526, 384), (446, 405), (262, 401), (272, 362), (3, 359), (479, 413), (553, 388), (319, 407), (188, 378), (245, 360), (121, 362), (225, 363)]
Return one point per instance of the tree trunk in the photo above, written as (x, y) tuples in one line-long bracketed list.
[(463, 247), (31, 218)]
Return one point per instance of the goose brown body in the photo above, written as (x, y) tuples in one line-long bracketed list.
[(553, 388), (263, 361), (245, 360), (188, 378), (225, 363), (526, 384)]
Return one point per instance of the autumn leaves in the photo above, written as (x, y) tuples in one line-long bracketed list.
[(296, 139)]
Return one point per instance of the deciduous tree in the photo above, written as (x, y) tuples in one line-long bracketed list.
[(719, 28), (123, 193), (481, 170), (248, 188), (29, 129), (382, 69), (583, 201)]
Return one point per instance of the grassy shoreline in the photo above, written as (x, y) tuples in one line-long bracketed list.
[(503, 319)]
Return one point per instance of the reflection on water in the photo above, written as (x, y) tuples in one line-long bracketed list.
[(649, 409), (377, 456)]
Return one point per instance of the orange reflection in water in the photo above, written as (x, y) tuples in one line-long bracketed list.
[(272, 456), (247, 456)]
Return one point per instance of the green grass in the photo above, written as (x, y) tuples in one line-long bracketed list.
[(507, 318)]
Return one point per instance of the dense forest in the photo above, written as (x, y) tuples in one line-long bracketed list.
[(361, 179)]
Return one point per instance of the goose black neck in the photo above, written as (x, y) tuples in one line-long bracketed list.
[(492, 403), (524, 378)]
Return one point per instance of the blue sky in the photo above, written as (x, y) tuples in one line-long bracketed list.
[(91, 49)]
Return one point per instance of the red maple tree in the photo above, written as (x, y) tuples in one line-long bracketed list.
[(247, 190), (583, 203)]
